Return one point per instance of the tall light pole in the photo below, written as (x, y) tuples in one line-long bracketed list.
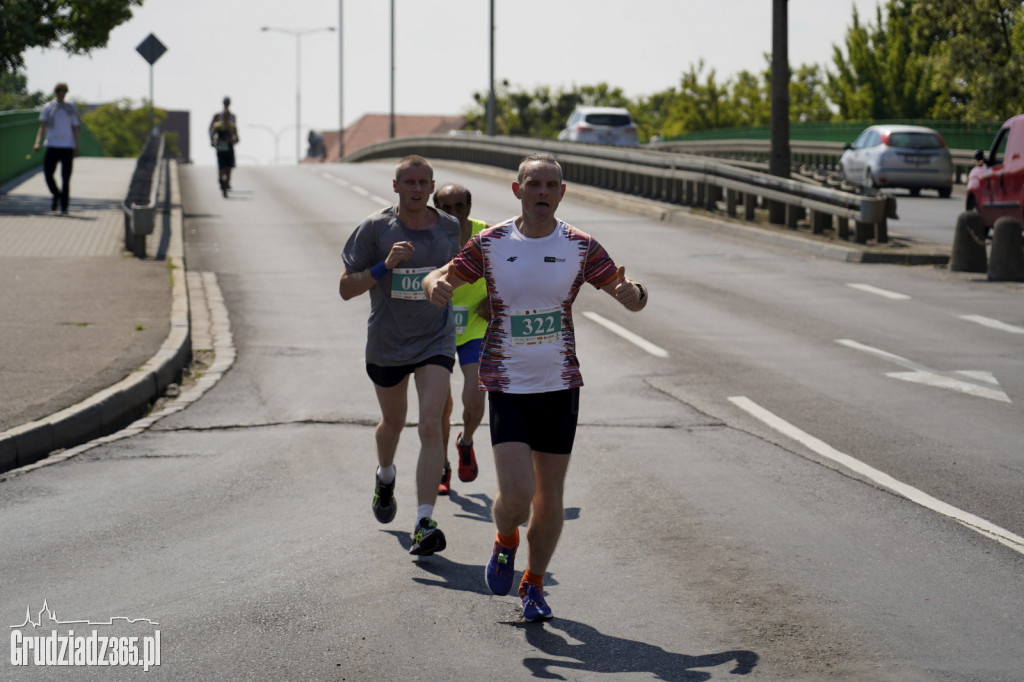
[(298, 79), (490, 89), (391, 126), (341, 80)]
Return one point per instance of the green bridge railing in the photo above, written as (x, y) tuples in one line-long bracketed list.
[(18, 133)]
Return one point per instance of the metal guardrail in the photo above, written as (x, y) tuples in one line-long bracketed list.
[(667, 176), (817, 156), (140, 205)]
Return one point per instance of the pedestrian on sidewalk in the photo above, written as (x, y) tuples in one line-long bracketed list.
[(387, 255), (469, 303), (60, 126), (534, 265), (223, 138)]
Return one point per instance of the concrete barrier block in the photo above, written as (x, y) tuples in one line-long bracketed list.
[(1006, 262), (968, 252)]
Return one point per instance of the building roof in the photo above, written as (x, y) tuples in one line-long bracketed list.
[(377, 128)]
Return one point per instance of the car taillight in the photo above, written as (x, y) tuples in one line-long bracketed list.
[(885, 139), (942, 143), (581, 127)]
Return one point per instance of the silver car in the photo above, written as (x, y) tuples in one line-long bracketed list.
[(600, 125), (911, 157)]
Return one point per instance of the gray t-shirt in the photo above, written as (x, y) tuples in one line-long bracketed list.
[(404, 328)]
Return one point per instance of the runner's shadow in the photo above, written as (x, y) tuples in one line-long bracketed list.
[(478, 507), (450, 575), (602, 653)]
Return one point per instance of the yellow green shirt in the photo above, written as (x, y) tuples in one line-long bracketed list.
[(465, 300)]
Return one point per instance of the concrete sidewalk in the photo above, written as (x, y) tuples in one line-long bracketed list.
[(90, 335)]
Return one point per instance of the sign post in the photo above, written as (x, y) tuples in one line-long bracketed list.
[(151, 50)]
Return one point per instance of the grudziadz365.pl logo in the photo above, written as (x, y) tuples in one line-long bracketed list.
[(80, 642)]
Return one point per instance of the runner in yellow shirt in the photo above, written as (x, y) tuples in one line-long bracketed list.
[(471, 316)]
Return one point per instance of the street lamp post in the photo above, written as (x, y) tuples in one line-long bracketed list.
[(276, 134), (298, 79)]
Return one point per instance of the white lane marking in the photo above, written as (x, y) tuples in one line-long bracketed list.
[(980, 384), (654, 350), (993, 324), (357, 189), (896, 296), (976, 523)]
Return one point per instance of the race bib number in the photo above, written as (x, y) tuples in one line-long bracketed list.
[(461, 318), (536, 327), (407, 283)]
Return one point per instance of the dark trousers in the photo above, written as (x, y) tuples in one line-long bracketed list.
[(66, 157)]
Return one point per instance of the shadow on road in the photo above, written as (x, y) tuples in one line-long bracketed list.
[(600, 653)]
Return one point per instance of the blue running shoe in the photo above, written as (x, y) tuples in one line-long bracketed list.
[(501, 571), (534, 606)]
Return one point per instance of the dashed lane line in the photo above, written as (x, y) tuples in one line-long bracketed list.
[(992, 324), (643, 343), (885, 293)]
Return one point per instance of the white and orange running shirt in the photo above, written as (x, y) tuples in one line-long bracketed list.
[(529, 346)]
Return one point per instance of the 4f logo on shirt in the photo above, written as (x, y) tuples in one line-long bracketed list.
[(512, 259)]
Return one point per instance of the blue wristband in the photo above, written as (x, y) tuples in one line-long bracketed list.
[(379, 270)]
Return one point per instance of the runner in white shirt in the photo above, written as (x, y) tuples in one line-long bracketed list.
[(534, 266)]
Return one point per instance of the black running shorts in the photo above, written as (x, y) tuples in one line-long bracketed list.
[(544, 421), (386, 377)]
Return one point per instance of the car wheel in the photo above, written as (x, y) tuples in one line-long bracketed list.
[(945, 192), (869, 183)]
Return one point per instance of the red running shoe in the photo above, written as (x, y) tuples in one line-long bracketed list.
[(468, 469)]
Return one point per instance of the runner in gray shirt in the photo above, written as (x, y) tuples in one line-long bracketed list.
[(388, 255)]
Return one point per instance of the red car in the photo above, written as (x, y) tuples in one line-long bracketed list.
[(995, 186)]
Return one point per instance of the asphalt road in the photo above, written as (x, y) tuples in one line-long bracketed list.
[(736, 504)]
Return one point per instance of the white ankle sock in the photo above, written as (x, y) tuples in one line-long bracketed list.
[(424, 511), (386, 475)]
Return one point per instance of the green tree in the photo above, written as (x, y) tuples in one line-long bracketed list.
[(702, 104), (77, 26), (808, 100), (652, 113), (749, 98), (14, 93), (978, 63), (540, 113), (122, 129)]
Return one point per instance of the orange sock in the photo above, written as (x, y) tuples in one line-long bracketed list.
[(510, 541), (533, 578)]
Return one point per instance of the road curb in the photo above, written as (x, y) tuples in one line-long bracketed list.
[(118, 405)]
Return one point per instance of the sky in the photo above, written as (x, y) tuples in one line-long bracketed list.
[(442, 55)]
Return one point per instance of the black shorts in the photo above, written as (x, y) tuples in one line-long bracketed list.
[(226, 158), (386, 377), (544, 421)]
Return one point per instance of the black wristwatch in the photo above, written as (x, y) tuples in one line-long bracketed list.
[(643, 292)]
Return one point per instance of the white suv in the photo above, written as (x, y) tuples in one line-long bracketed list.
[(600, 125)]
